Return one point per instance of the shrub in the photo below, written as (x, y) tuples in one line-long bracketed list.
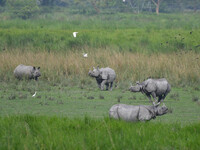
[(23, 8)]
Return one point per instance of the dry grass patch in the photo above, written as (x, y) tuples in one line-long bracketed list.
[(178, 68)]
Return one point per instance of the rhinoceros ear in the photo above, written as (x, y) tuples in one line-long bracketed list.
[(34, 68), (38, 68)]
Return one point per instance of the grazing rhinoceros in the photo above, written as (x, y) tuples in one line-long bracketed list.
[(155, 87), (27, 72), (104, 76), (136, 113)]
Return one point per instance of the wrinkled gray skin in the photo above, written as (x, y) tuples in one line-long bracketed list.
[(136, 113), (28, 72), (104, 76), (153, 87)]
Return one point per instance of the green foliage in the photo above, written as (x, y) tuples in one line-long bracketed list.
[(92, 7), (2, 2), (162, 33), (31, 132), (24, 9), (48, 2), (179, 6)]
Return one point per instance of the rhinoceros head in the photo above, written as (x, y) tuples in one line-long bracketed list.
[(136, 88), (36, 72), (161, 110), (95, 72)]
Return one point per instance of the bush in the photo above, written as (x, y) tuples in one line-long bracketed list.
[(24, 9), (2, 2)]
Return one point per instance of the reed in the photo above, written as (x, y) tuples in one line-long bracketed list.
[(180, 68)]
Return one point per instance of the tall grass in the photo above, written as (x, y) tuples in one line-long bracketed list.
[(181, 68), (122, 31), (134, 40), (31, 132), (136, 46)]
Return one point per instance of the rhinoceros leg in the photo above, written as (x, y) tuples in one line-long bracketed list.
[(164, 95), (99, 83), (107, 85), (161, 98), (102, 84), (149, 97), (154, 97), (111, 84)]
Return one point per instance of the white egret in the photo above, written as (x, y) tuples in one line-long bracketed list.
[(85, 55), (34, 94), (75, 33)]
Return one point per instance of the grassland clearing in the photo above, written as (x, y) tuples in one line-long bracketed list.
[(69, 111), (78, 100), (64, 116)]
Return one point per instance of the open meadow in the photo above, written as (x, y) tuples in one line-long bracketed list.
[(74, 115), (69, 111)]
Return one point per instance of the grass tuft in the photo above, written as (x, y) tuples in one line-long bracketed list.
[(195, 98)]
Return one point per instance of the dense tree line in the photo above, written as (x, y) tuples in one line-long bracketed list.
[(127, 5), (27, 8)]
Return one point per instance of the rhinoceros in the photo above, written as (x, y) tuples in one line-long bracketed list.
[(153, 87), (136, 113), (104, 76), (28, 72)]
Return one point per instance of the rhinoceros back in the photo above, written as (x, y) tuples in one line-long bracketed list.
[(124, 112), (111, 73), (161, 85), (131, 112), (23, 71)]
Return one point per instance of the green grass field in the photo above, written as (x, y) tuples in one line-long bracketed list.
[(75, 116), (31, 132), (86, 99), (69, 111), (121, 31)]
